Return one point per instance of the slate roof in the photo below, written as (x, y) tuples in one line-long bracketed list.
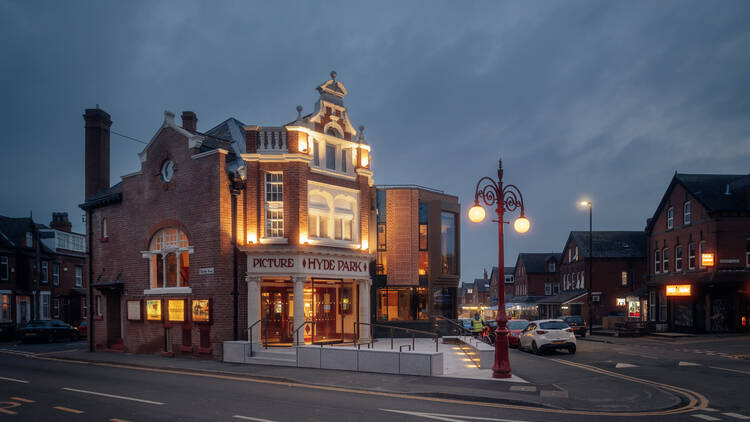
[(562, 297), (711, 191), (111, 195), (15, 229), (537, 262), (228, 134), (611, 244), (482, 284)]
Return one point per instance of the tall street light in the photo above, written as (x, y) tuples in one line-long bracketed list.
[(505, 198), (591, 273)]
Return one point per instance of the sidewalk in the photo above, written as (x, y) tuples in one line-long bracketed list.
[(556, 386)]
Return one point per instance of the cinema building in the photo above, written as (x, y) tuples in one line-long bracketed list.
[(238, 231)]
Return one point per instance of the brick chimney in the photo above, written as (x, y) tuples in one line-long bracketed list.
[(98, 123), (60, 222), (189, 121)]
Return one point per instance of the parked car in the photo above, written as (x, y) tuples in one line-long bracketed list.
[(516, 326), (548, 334), (47, 330), (577, 324), (82, 328)]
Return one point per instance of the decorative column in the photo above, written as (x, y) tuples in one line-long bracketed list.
[(299, 309), (364, 309), (253, 306)]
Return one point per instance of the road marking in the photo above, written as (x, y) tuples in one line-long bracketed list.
[(23, 400), (695, 401), (67, 409), (118, 420), (522, 388), (14, 380), (625, 365), (5, 405), (57, 351), (688, 364), (730, 370), (449, 418), (706, 417), (113, 396), (248, 418), (710, 409), (736, 415)]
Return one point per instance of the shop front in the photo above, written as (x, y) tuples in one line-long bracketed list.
[(299, 297)]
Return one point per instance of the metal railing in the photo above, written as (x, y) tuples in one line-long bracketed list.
[(295, 334), (413, 332), (463, 330), (250, 335)]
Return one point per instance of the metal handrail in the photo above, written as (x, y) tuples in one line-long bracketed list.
[(295, 334), (459, 326), (408, 330), (250, 335)]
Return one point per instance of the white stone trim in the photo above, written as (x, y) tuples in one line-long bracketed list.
[(135, 173), (168, 291), (211, 152), (194, 141), (274, 240), (332, 173)]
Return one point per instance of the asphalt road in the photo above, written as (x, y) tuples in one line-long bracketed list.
[(33, 388)]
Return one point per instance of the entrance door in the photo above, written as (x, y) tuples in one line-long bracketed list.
[(327, 321), (23, 310), (276, 310), (114, 329)]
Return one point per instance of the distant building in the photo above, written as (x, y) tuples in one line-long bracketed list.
[(509, 286), (618, 281), (44, 266), (533, 271), (699, 255)]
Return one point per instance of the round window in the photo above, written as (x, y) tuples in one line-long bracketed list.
[(167, 171)]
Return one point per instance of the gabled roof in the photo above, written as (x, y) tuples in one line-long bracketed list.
[(611, 244), (715, 192), (537, 262), (15, 229), (481, 284)]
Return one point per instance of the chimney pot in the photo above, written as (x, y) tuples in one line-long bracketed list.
[(60, 221), (189, 121)]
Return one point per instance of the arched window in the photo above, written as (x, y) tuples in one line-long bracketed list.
[(333, 132), (169, 254)]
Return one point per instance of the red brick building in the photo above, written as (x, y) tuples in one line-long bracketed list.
[(508, 284), (240, 226), (533, 272), (418, 255), (699, 255), (41, 271), (618, 267)]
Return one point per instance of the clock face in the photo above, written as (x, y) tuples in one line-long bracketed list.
[(167, 171)]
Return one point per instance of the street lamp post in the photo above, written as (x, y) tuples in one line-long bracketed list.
[(591, 273), (505, 198)]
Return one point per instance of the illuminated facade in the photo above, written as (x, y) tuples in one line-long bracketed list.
[(241, 226), (699, 255)]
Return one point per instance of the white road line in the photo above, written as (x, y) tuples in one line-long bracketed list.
[(449, 418), (625, 365), (688, 364), (736, 415), (248, 418), (14, 380), (710, 409), (730, 370), (706, 417), (113, 396)]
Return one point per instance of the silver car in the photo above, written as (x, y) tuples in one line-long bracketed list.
[(547, 334)]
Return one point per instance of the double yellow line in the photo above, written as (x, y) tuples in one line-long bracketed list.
[(696, 401)]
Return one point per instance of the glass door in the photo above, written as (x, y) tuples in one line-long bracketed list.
[(276, 311), (327, 321)]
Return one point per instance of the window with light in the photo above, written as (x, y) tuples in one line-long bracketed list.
[(169, 253), (274, 205)]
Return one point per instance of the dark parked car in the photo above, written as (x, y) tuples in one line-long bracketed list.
[(576, 324), (82, 328), (47, 330)]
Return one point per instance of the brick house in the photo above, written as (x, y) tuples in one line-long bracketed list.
[(509, 285), (41, 271), (699, 255), (533, 271), (220, 231), (619, 269), (418, 255)]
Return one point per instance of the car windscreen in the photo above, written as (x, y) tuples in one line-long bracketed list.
[(517, 325), (553, 325), (576, 320)]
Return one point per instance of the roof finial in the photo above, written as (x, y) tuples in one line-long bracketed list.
[(333, 75), (299, 112)]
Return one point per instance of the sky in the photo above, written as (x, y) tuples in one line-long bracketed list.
[(597, 100)]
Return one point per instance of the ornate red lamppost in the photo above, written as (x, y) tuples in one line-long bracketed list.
[(505, 198)]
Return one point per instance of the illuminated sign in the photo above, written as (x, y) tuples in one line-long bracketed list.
[(634, 309), (620, 301), (176, 310), (678, 290), (153, 309), (707, 260), (200, 310)]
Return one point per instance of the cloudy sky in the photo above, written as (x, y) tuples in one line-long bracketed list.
[(596, 99)]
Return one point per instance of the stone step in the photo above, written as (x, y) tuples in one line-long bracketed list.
[(276, 354)]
